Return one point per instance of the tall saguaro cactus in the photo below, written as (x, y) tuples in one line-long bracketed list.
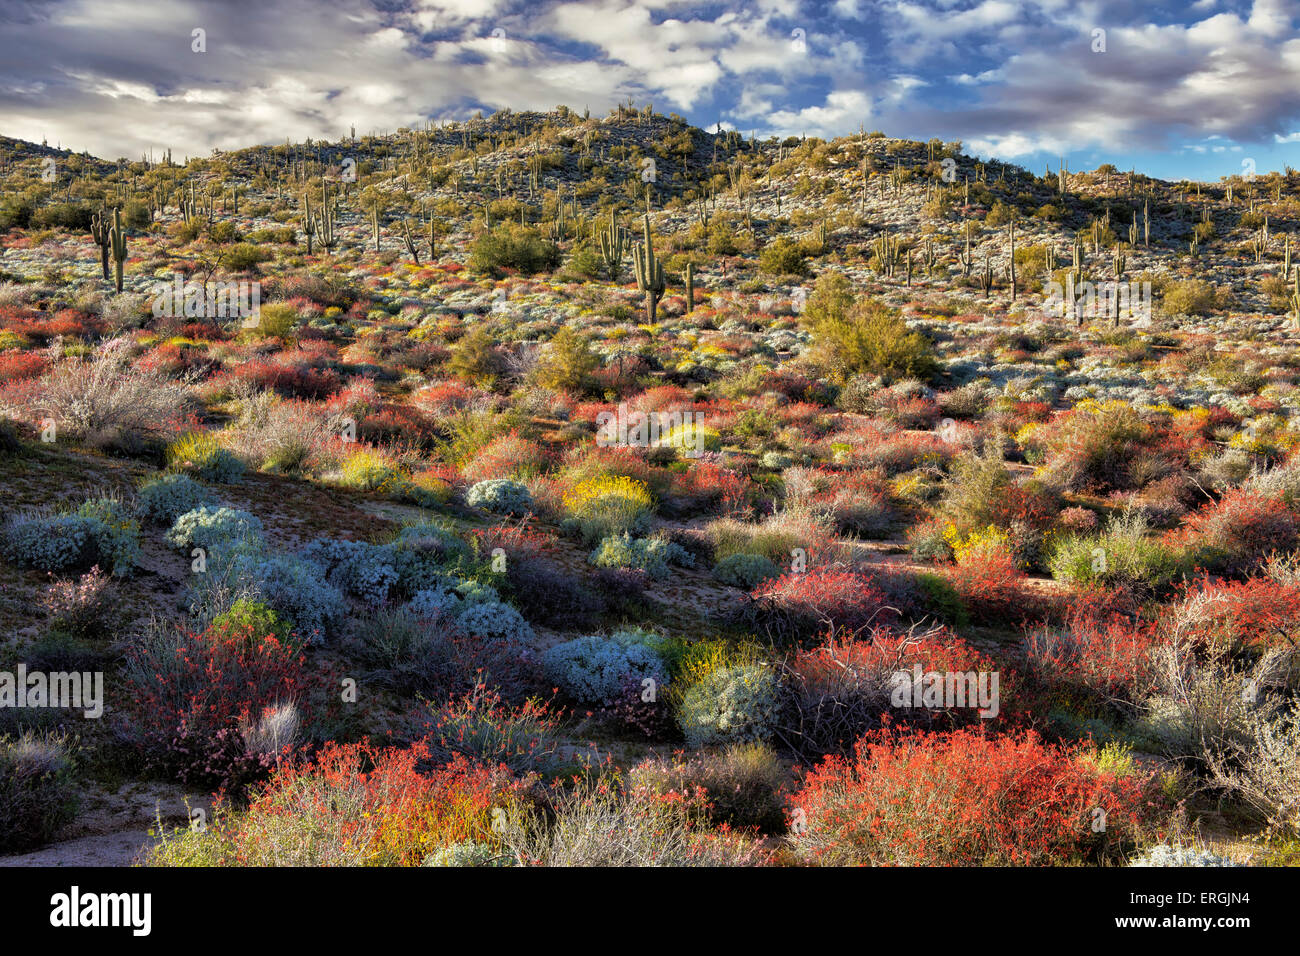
[(649, 273), (611, 241), (1119, 264), (99, 231), (325, 221), (117, 242), (410, 241), (1011, 260), (308, 223), (690, 286), (1294, 299)]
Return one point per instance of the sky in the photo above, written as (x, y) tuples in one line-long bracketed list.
[(1194, 90)]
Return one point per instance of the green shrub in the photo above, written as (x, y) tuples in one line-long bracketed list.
[(1189, 297), (652, 555), (256, 618), (865, 336), (244, 256), (746, 571), (782, 257), (566, 362), (1123, 556), (276, 320), (511, 246), (199, 453), (940, 599), (475, 359)]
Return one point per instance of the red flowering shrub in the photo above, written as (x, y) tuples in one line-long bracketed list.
[(357, 399), (353, 805), (661, 398), (507, 456), (797, 386), (1238, 532), (1256, 613), (395, 424), (990, 585), (21, 365), (41, 326), (799, 604), (904, 452), (835, 692), (482, 726), (442, 399), (710, 484), (1112, 447), (176, 359), (201, 702), (1094, 663), (293, 380), (965, 798)]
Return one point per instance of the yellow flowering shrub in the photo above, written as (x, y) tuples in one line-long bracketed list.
[(607, 504)]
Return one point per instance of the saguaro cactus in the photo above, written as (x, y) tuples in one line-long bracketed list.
[(649, 273), (325, 221), (690, 286), (410, 241), (117, 241), (308, 223), (1118, 264), (611, 241), (1295, 300), (1011, 261), (99, 231)]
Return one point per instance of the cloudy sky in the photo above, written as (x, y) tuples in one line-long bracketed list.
[(1198, 89)]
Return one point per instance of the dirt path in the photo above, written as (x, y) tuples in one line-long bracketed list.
[(103, 849)]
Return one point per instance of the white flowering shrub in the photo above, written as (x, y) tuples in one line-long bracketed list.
[(596, 669), (52, 542), (729, 704), (1162, 854), (117, 534), (469, 853), (500, 495), (494, 619), (213, 528), (365, 572), (434, 602), (163, 499), (295, 589)]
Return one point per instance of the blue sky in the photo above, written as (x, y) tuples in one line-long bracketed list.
[(1191, 90)]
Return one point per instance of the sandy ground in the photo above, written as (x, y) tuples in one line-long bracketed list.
[(105, 849), (112, 826)]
